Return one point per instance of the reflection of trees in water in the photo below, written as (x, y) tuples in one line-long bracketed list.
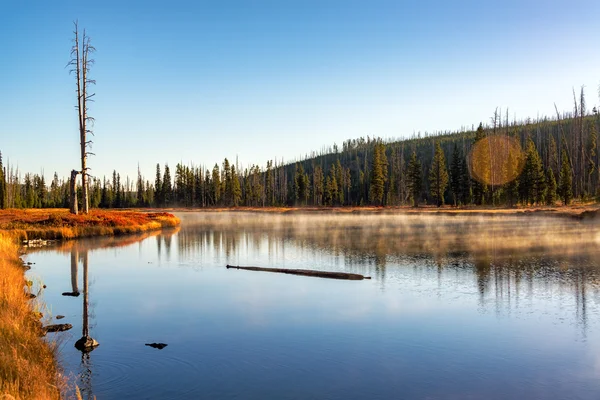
[(510, 257)]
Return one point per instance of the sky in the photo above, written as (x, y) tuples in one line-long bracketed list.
[(198, 81)]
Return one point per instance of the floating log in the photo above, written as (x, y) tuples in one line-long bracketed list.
[(57, 328), (306, 272)]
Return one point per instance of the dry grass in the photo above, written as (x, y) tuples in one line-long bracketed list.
[(60, 224), (28, 368), (581, 210)]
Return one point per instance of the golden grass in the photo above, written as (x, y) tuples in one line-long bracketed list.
[(28, 368), (60, 224)]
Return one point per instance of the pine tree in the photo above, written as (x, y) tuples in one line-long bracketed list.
[(532, 183), (592, 147), (318, 189), (480, 167), (340, 177), (551, 188), (236, 189), (216, 185), (511, 188), (455, 175), (466, 191), (565, 180), (438, 175), (333, 186), (158, 191), (167, 186), (377, 176), (300, 186), (415, 178), (140, 188), (227, 183)]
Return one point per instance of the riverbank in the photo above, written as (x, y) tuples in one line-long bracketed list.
[(579, 211), (28, 366), (59, 224)]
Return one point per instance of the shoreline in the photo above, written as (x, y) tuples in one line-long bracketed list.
[(28, 364), (582, 211)]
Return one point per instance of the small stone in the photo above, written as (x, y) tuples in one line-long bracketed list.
[(60, 316), (72, 294)]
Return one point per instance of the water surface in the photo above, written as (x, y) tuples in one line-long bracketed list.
[(458, 308)]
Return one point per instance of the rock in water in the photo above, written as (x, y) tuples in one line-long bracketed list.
[(57, 328), (86, 344), (159, 346), (60, 316), (72, 294)]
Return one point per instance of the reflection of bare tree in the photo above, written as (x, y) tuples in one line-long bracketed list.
[(74, 263), (86, 343)]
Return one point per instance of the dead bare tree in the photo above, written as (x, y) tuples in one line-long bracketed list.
[(80, 64)]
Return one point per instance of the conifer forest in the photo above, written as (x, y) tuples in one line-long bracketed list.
[(503, 162)]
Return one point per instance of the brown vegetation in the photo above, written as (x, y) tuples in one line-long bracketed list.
[(28, 368), (577, 211), (60, 224)]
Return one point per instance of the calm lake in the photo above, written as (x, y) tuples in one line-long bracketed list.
[(471, 307)]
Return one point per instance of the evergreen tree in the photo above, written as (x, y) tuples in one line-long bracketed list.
[(158, 191), (340, 177), (270, 184), (167, 187), (377, 176), (228, 184), (551, 188), (300, 186), (140, 188), (466, 191), (565, 180), (532, 183), (455, 175), (480, 167), (511, 188), (415, 178), (333, 186), (318, 189), (591, 154), (216, 185), (438, 175), (236, 189)]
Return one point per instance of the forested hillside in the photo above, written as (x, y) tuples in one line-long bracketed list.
[(502, 162)]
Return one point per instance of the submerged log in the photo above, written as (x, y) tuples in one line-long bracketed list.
[(57, 328), (306, 272)]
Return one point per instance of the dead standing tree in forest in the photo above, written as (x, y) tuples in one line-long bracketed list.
[(80, 64)]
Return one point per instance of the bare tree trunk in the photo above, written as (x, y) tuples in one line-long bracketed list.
[(73, 191)]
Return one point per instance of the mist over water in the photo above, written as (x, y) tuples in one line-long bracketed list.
[(490, 307)]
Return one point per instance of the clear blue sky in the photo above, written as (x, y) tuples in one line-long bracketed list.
[(198, 81)]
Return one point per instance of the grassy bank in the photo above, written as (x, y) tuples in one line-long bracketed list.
[(28, 367), (578, 211), (60, 224)]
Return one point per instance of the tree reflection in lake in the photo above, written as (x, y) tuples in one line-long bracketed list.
[(511, 258)]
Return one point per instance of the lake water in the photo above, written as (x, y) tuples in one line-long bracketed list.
[(457, 308)]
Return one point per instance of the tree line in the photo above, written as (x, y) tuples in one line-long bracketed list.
[(502, 163)]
